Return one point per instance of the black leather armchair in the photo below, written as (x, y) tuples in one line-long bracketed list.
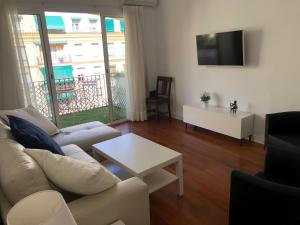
[(254, 200), (283, 130), (270, 197), (282, 166)]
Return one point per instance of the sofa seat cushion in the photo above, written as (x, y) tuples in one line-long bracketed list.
[(293, 138), (83, 126), (288, 140), (274, 179), (73, 175), (20, 175), (75, 152), (85, 135)]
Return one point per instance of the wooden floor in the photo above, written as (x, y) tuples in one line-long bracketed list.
[(208, 160)]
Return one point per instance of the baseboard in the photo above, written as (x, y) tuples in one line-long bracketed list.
[(176, 116), (258, 140)]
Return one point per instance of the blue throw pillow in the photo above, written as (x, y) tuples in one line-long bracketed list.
[(31, 136)]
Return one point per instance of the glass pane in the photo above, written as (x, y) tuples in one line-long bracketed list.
[(116, 53), (33, 57), (78, 66)]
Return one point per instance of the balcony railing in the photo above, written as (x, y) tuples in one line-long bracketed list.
[(81, 94)]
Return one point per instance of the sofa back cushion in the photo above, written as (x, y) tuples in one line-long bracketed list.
[(32, 136), (32, 115), (73, 175), (20, 175), (5, 131)]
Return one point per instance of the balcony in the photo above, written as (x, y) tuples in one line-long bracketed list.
[(82, 99)]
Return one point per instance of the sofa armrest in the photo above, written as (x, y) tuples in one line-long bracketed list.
[(127, 201), (5, 206), (283, 164)]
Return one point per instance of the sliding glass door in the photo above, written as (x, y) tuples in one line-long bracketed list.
[(76, 47), (34, 59), (83, 79)]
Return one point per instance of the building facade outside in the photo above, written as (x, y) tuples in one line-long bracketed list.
[(77, 59), (75, 40)]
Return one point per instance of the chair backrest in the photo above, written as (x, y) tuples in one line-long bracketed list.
[(163, 86), (254, 200), (282, 122), (287, 122)]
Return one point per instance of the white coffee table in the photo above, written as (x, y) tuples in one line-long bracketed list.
[(141, 158)]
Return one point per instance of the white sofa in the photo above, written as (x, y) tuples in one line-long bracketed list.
[(127, 201)]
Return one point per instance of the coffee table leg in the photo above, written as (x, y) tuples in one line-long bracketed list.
[(97, 156), (179, 174)]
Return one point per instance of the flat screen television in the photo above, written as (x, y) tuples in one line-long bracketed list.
[(225, 48)]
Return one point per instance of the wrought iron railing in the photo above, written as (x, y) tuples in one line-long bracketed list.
[(80, 94)]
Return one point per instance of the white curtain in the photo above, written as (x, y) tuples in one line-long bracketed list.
[(134, 23), (14, 68)]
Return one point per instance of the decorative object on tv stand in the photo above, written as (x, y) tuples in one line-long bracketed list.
[(41, 208), (233, 106), (205, 97)]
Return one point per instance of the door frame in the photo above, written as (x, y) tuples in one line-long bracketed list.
[(47, 61), (107, 70), (49, 68), (107, 63)]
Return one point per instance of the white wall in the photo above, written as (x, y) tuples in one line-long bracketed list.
[(270, 80)]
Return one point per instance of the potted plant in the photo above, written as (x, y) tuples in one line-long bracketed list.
[(205, 97)]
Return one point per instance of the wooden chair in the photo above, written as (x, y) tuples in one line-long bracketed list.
[(160, 96)]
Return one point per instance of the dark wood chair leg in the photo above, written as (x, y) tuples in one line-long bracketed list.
[(169, 109), (250, 138), (157, 111)]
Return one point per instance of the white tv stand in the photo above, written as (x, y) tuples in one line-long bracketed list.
[(219, 119)]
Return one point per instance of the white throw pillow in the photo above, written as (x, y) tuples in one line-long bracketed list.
[(73, 175), (32, 115), (20, 175)]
